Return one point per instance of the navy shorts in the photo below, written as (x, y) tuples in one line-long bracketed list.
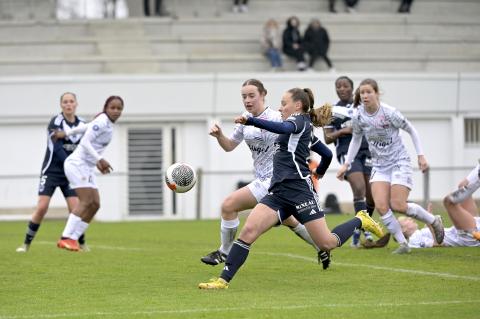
[(48, 184), (362, 163), (294, 197)]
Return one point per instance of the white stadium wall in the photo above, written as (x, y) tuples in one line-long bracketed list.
[(435, 103)]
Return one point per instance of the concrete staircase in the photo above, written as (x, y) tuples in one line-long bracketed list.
[(204, 36)]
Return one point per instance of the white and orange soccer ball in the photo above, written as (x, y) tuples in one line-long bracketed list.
[(180, 177)]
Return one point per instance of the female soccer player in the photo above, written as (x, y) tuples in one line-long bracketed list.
[(391, 177), (80, 167), (463, 213), (340, 133), (261, 144), (52, 174), (291, 191)]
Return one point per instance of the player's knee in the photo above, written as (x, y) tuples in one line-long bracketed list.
[(92, 205), (447, 202), (358, 192), (249, 233), (228, 207), (382, 208), (398, 205), (41, 211), (95, 206)]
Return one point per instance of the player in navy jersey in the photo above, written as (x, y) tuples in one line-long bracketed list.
[(52, 174), (291, 191), (80, 170), (339, 131), (261, 144)]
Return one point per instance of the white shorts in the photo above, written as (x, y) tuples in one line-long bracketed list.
[(455, 237), (398, 174), (80, 175), (259, 187)]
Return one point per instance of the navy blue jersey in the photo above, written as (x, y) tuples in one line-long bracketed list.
[(342, 142), (57, 152), (293, 150)]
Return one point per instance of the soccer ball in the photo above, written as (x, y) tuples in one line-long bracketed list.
[(180, 177)]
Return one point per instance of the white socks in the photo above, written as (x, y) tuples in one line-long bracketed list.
[(393, 227), (75, 227), (70, 226), (302, 232), (228, 230), (80, 228), (418, 212)]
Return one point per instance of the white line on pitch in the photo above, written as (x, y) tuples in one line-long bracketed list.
[(208, 310), (409, 271)]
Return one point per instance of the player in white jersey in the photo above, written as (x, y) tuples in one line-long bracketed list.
[(261, 144), (80, 170), (339, 131), (463, 213), (391, 177)]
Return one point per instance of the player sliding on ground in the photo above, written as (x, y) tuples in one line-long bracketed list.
[(463, 213)]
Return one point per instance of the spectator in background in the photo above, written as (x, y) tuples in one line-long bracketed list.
[(293, 43), (271, 44), (349, 3), (405, 6), (240, 6), (158, 8), (317, 42)]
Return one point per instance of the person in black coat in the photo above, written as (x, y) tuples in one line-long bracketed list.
[(405, 6), (317, 42), (293, 43), (349, 3), (158, 8)]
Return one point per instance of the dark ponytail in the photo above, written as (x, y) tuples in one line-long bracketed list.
[(320, 116)]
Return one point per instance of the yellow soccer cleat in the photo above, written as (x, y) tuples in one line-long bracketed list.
[(369, 224), (215, 283), (476, 234)]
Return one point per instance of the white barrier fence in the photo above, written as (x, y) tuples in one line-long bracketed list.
[(184, 107)]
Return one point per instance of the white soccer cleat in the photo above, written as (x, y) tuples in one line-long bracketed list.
[(23, 249), (84, 248), (402, 249)]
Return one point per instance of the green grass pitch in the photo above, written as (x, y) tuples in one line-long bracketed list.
[(152, 269)]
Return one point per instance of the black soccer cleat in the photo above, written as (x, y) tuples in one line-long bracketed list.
[(214, 258), (324, 258)]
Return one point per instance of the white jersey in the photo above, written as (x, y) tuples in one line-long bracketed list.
[(423, 238), (260, 141), (382, 131), (94, 142)]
